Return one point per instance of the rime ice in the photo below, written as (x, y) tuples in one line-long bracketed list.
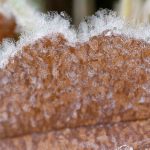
[(56, 76), (76, 85), (34, 25), (133, 135)]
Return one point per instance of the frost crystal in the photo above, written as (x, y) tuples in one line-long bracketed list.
[(55, 76), (35, 25)]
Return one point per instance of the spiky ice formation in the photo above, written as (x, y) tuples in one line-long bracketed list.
[(56, 76), (36, 25)]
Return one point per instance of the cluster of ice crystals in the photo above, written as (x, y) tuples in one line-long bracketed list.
[(7, 49), (35, 25), (91, 81), (89, 88)]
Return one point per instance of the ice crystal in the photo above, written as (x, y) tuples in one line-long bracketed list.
[(35, 25)]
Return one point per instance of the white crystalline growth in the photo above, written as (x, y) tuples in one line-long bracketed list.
[(35, 25), (106, 20), (31, 21)]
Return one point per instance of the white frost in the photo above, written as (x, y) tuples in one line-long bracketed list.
[(35, 25)]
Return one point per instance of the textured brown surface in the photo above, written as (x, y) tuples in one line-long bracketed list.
[(50, 85), (7, 27), (119, 136)]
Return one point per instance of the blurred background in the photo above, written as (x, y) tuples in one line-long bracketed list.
[(76, 9), (135, 11)]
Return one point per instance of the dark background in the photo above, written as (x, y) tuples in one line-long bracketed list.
[(61, 5), (105, 4), (67, 6)]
